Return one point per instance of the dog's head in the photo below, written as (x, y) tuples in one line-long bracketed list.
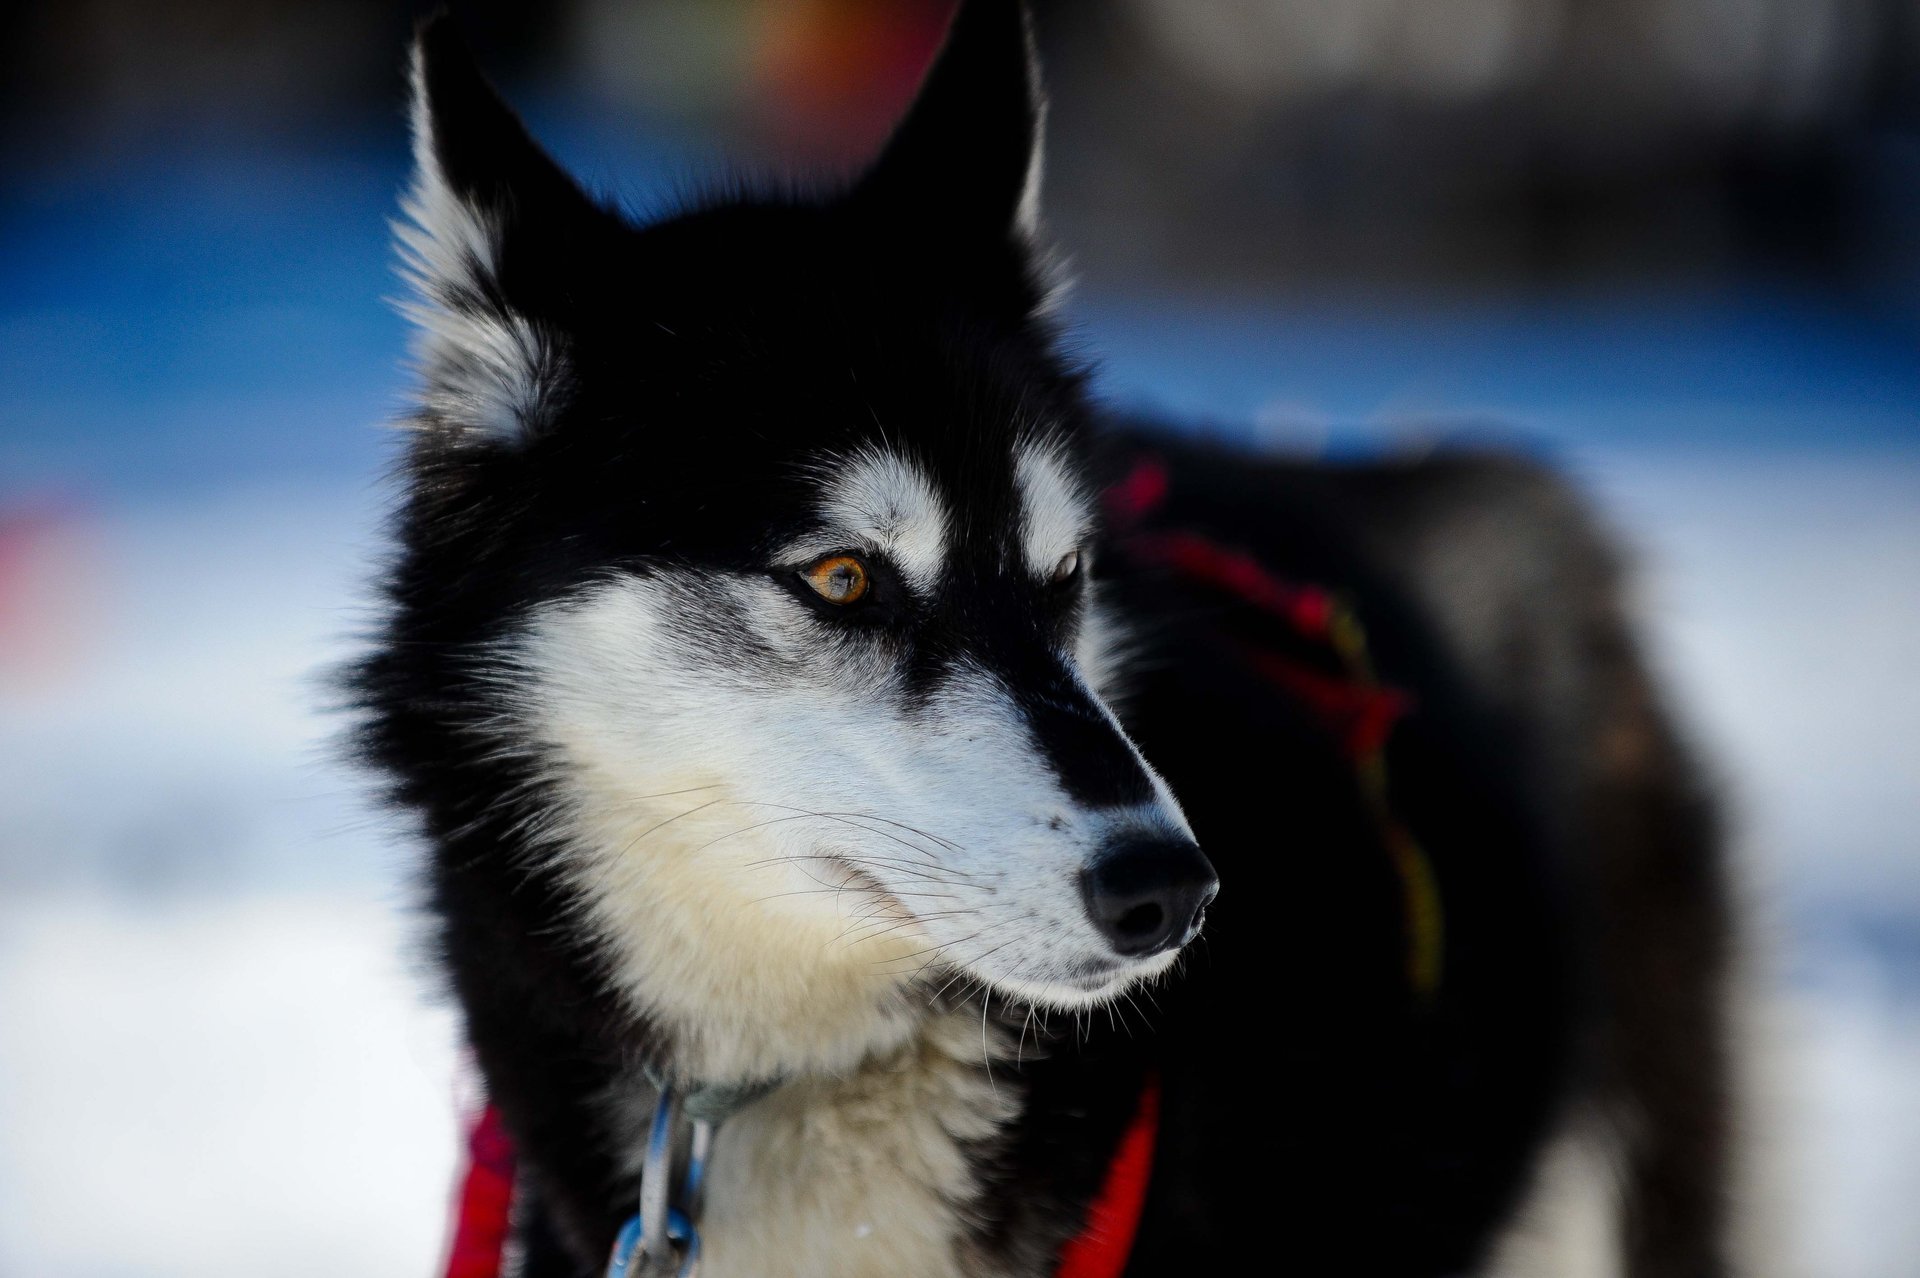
[(765, 530)]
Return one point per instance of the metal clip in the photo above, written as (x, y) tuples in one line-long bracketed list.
[(660, 1241)]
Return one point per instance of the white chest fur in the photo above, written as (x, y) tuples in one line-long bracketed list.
[(861, 1175)]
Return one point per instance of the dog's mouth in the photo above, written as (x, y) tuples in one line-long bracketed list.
[(1102, 979), (1095, 975)]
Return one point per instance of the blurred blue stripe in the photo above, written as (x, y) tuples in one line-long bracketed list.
[(213, 316)]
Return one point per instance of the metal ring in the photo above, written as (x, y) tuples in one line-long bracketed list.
[(632, 1259), (680, 1229), (625, 1249)]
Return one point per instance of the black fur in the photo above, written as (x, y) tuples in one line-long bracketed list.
[(1319, 1117)]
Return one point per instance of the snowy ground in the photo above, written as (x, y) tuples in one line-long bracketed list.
[(217, 1056), (216, 1053)]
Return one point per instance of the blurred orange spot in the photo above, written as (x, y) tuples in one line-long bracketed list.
[(834, 75)]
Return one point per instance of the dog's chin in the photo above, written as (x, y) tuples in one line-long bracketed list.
[(1092, 984)]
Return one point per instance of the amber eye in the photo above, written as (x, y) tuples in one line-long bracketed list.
[(839, 579), (1067, 569)]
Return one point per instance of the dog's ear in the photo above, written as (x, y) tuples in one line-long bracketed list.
[(967, 157), (493, 229)]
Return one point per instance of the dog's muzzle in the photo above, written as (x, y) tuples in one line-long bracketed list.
[(1149, 893)]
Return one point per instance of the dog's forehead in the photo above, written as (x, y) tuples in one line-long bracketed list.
[(886, 500), (1014, 505)]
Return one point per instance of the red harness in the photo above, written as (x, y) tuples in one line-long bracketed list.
[(1357, 709)]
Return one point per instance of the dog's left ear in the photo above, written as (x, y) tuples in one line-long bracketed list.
[(967, 158), (496, 246)]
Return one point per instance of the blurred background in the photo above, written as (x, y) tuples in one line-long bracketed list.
[(1671, 245)]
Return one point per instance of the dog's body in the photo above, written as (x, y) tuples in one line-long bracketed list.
[(756, 666)]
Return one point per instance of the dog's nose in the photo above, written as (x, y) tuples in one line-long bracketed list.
[(1147, 894)]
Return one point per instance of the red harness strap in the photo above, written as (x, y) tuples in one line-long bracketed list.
[(484, 1214), (1101, 1248), (483, 1217), (1350, 700)]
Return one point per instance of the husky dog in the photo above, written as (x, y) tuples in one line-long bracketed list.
[(790, 717)]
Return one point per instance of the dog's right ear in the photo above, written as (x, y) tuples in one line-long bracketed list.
[(967, 157), (493, 234)]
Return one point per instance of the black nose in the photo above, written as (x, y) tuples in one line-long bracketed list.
[(1148, 894)]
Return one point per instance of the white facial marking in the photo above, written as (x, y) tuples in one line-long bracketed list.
[(493, 372), (785, 860), (775, 844), (881, 501), (1056, 512)]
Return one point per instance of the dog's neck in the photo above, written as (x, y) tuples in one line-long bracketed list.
[(868, 1171)]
